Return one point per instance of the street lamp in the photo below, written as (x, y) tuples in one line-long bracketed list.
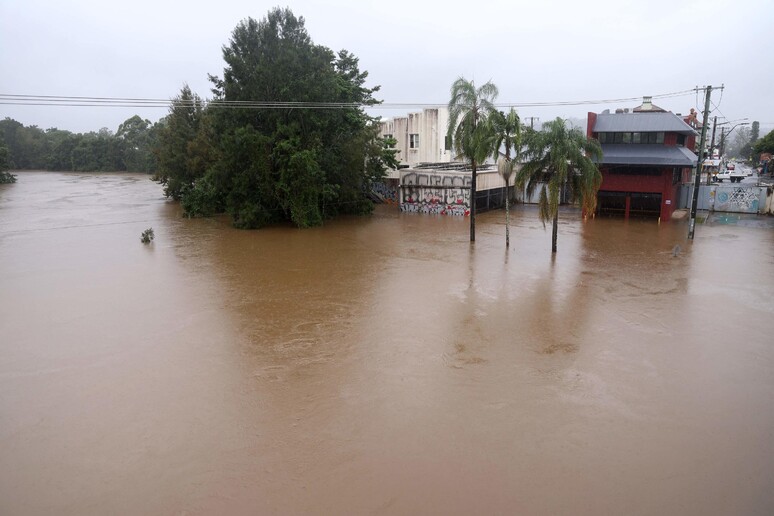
[(724, 135)]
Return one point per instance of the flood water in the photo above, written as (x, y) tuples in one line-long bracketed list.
[(376, 365)]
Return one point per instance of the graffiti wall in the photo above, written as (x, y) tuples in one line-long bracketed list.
[(435, 193), (736, 199), (732, 199)]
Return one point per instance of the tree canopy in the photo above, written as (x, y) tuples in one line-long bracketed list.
[(765, 144), (299, 159)]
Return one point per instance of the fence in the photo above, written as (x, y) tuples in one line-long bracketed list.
[(727, 198)]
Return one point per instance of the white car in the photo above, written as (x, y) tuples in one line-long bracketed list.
[(731, 173)]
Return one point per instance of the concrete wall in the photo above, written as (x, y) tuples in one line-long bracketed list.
[(448, 192), (431, 125)]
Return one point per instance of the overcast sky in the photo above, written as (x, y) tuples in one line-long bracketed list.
[(534, 51)]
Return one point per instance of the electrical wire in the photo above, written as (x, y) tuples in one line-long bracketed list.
[(129, 102)]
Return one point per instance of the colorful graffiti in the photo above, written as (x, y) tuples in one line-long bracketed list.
[(737, 199), (389, 193), (438, 194)]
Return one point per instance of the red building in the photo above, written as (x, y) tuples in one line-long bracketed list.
[(647, 155)]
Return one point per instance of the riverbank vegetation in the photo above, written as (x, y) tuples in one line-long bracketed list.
[(5, 176), (293, 158), (129, 149)]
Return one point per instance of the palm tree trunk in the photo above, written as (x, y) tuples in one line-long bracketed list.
[(473, 201), (507, 218), (556, 228)]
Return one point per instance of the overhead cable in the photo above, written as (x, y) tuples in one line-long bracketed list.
[(128, 102)]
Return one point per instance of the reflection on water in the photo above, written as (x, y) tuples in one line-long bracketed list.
[(375, 365)]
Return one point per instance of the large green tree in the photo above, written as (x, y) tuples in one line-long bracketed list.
[(181, 161), (137, 138), (505, 130), (469, 109), (305, 149), (558, 157), (765, 144)]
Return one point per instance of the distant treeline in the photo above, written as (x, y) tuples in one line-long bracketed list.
[(129, 149)]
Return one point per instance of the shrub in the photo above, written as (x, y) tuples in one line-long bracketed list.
[(147, 236)]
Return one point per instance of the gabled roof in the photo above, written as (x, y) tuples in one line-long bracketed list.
[(647, 154), (641, 123)]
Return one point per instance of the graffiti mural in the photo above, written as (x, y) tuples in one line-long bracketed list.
[(437, 194), (737, 199)]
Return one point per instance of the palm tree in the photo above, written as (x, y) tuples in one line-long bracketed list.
[(506, 132), (469, 109), (558, 156)]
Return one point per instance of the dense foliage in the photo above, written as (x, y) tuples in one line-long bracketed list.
[(268, 164), (32, 148), (5, 176), (765, 144)]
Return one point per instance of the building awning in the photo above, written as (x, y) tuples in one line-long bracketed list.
[(647, 154)]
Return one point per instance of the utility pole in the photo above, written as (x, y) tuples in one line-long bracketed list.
[(712, 148), (532, 121), (722, 141), (697, 179)]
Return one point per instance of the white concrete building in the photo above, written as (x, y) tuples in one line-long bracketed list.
[(421, 136)]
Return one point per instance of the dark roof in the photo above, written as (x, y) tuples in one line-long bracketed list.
[(641, 123), (647, 154)]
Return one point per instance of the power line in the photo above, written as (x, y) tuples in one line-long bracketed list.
[(129, 102)]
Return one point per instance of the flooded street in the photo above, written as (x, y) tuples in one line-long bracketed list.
[(376, 365)]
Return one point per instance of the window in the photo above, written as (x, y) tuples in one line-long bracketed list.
[(660, 138), (676, 175), (386, 136), (636, 137), (681, 140), (413, 141), (627, 137), (447, 142)]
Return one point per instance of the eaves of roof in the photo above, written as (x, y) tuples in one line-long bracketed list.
[(647, 154)]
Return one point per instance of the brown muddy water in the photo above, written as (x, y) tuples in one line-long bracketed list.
[(376, 365)]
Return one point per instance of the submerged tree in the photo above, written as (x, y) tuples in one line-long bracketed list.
[(506, 133), (469, 109), (180, 160), (559, 157), (5, 177), (307, 150)]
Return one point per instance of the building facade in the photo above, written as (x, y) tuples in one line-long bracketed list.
[(647, 155), (421, 137)]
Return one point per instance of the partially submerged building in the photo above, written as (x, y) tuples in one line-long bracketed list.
[(647, 154), (430, 180)]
